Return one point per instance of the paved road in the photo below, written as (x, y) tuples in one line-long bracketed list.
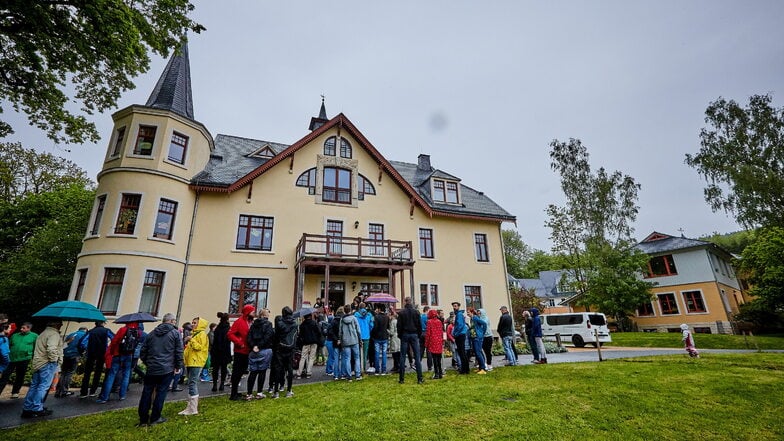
[(11, 409)]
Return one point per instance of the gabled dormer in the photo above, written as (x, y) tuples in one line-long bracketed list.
[(444, 188), (265, 152)]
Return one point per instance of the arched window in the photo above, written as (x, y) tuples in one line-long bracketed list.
[(308, 179), (329, 146), (345, 149), (364, 187), (337, 185)]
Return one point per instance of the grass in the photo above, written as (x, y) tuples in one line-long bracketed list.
[(703, 341), (716, 397)]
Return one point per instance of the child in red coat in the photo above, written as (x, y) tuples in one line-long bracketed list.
[(434, 341)]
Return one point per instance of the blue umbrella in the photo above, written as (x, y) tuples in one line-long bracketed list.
[(136, 317), (71, 310)]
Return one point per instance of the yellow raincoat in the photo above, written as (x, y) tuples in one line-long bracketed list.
[(198, 348)]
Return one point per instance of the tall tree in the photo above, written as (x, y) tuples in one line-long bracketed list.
[(516, 252), (93, 48), (763, 266), (39, 269), (593, 231), (742, 159), (26, 171)]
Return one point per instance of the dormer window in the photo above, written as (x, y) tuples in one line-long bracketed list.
[(445, 191)]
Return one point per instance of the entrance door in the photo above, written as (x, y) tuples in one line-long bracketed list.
[(337, 294)]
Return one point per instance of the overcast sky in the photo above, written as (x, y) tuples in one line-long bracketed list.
[(484, 87)]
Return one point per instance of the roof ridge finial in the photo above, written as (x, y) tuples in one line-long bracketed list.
[(321, 119)]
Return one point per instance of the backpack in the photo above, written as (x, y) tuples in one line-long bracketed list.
[(289, 341), (129, 341), (324, 328)]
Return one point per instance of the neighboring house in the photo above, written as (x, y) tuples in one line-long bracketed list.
[(187, 223), (547, 289), (695, 284)]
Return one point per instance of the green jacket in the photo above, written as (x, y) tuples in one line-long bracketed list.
[(22, 346)]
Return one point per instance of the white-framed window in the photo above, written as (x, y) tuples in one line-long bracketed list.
[(480, 247), (100, 206), (151, 291), (473, 296), (178, 147), (428, 294), (668, 305), (164, 221), (694, 302), (119, 141), (111, 288)]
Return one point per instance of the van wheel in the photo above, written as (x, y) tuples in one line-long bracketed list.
[(577, 341)]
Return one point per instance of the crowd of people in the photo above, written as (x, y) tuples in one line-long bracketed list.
[(353, 341)]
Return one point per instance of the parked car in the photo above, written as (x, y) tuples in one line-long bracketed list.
[(579, 328)]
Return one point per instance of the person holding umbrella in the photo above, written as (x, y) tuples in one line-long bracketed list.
[(47, 356)]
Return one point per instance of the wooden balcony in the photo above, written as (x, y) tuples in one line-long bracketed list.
[(314, 246)]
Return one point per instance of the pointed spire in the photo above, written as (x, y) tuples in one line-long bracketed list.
[(322, 119), (173, 90)]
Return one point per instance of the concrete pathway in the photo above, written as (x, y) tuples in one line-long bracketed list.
[(11, 409)]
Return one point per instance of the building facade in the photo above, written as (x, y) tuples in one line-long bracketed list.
[(194, 224), (695, 284)]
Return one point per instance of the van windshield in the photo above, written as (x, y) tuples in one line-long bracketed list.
[(597, 319)]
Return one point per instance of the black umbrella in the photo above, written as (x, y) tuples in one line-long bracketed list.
[(306, 310), (136, 317)]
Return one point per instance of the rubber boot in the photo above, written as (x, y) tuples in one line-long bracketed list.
[(193, 406)]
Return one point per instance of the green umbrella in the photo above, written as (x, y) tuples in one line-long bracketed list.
[(71, 310)]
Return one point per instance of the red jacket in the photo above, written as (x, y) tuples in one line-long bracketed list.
[(434, 334), (113, 349), (238, 334)]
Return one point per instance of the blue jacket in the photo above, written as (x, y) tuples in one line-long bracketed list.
[(5, 353), (460, 327), (537, 326), (365, 320), (480, 326), (72, 350)]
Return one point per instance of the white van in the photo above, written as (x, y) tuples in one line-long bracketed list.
[(577, 327)]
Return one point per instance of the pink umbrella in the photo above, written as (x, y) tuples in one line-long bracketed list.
[(381, 297)]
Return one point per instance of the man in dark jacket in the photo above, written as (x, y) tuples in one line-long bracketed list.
[(162, 354), (409, 329), (285, 334), (506, 333), (380, 337), (96, 341), (309, 337)]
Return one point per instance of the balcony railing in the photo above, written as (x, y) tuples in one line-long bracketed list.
[(313, 245)]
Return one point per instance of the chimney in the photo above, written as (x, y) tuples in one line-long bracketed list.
[(424, 163)]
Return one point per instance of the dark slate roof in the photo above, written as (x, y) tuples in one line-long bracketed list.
[(670, 244), (473, 202), (173, 90), (229, 160)]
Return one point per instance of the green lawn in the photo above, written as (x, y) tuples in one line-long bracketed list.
[(716, 397), (703, 341)]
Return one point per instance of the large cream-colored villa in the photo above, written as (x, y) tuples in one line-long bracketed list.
[(191, 224)]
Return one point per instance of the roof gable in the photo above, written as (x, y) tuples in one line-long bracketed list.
[(231, 174)]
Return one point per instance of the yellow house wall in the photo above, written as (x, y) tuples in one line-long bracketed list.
[(213, 260), (713, 303)]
